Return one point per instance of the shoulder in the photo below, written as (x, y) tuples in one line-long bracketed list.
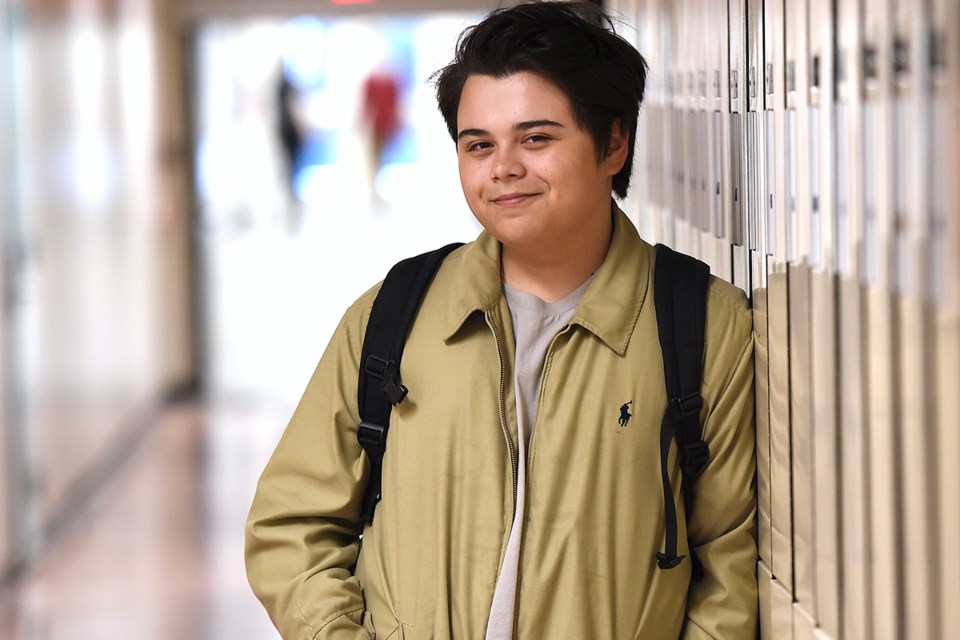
[(728, 340), (727, 303)]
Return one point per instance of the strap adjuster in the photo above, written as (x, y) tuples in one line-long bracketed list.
[(685, 406), (372, 437), (694, 457)]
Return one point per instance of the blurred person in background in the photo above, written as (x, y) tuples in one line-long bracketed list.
[(381, 115), (521, 489), (291, 133)]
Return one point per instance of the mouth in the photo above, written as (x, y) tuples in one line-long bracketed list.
[(510, 199)]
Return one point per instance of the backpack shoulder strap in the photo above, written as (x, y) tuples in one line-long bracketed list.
[(379, 387), (680, 298)]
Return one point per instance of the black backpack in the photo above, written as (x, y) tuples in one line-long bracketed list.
[(680, 293)]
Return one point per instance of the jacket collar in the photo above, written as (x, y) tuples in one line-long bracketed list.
[(610, 306)]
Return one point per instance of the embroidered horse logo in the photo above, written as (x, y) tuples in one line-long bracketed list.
[(625, 415)]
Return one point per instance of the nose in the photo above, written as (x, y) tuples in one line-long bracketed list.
[(507, 164)]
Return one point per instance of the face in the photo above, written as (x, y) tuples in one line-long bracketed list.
[(530, 174)]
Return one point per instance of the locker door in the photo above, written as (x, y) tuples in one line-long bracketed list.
[(823, 314), (854, 480), (765, 592), (694, 27), (738, 158), (687, 118), (678, 148), (944, 269), (798, 277), (721, 130), (773, 123), (671, 153), (713, 123), (914, 353), (758, 266), (882, 378)]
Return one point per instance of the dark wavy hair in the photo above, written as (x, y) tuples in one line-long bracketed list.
[(571, 44)]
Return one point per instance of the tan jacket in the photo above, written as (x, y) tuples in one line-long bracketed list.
[(594, 516)]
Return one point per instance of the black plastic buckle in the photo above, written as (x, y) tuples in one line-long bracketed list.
[(387, 371), (667, 562), (694, 457), (372, 437), (687, 405)]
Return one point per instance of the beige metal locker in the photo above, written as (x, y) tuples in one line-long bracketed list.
[(854, 482), (804, 626), (823, 314), (665, 150), (945, 277), (914, 354), (684, 60), (802, 445), (765, 591), (721, 127), (882, 375), (737, 235), (758, 267), (716, 106), (946, 99), (781, 612), (753, 131), (762, 393), (781, 498), (947, 380), (798, 275), (778, 357)]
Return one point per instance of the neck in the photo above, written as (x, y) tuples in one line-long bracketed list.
[(551, 273)]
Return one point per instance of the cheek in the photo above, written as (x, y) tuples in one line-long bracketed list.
[(471, 178)]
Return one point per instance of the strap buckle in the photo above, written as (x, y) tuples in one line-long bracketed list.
[(665, 561), (387, 371), (372, 437)]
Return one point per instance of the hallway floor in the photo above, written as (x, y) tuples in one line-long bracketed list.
[(158, 555)]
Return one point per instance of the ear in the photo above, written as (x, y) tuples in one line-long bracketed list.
[(619, 147)]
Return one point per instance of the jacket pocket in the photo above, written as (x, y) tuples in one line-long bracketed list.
[(368, 625)]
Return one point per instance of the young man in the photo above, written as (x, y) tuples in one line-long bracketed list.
[(522, 494)]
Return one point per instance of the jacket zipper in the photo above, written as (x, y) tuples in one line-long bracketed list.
[(543, 385), (503, 408)]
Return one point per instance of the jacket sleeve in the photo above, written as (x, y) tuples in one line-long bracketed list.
[(302, 533), (722, 526)]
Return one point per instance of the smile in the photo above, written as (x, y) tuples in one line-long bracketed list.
[(513, 199)]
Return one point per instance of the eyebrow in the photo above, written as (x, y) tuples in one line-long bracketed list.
[(520, 126)]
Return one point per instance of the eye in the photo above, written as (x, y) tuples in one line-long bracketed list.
[(479, 145), (536, 138)]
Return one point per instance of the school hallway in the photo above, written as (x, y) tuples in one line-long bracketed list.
[(190, 197)]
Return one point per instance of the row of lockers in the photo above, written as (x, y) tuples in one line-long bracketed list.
[(809, 151)]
